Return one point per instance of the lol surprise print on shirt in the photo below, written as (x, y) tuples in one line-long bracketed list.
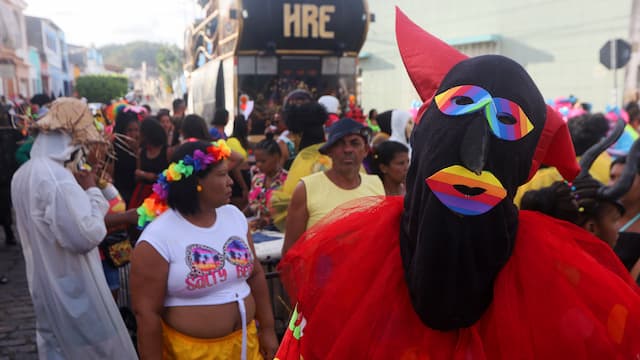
[(207, 267), (238, 253)]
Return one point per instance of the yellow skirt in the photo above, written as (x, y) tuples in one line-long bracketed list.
[(176, 345)]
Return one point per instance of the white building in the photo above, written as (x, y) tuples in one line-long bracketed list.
[(49, 39), (14, 51), (86, 60), (557, 42)]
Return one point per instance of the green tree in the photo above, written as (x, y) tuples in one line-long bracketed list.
[(169, 60), (102, 88), (131, 54)]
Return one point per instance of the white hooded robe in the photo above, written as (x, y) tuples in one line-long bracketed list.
[(60, 226)]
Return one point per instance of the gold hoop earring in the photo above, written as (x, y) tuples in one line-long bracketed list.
[(199, 187)]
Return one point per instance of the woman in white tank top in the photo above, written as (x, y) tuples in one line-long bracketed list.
[(197, 288)]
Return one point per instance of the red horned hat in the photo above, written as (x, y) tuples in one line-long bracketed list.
[(428, 59)]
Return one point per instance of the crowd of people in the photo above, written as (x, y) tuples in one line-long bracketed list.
[(454, 270), (486, 226), (96, 181)]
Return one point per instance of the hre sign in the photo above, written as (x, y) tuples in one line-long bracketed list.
[(307, 20), (303, 26)]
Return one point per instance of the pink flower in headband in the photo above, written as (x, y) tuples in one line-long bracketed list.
[(140, 111), (160, 188)]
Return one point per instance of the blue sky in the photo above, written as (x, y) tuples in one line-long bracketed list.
[(96, 22)]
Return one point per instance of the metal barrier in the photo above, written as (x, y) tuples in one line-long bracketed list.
[(124, 299), (279, 299)]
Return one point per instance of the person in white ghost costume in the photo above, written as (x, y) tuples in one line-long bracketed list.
[(401, 127), (60, 219)]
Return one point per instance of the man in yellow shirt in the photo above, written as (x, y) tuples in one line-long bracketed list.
[(318, 194)]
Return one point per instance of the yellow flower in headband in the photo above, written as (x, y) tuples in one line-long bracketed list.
[(172, 173), (166, 174), (177, 170)]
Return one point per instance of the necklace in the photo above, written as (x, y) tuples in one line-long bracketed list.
[(629, 223)]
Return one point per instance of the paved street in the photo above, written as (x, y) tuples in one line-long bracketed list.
[(17, 320)]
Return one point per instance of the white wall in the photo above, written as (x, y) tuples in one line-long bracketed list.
[(556, 41)]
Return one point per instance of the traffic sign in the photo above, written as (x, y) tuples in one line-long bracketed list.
[(615, 54)]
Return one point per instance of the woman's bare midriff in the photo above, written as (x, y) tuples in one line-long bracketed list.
[(209, 321)]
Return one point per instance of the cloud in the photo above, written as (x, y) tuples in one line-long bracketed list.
[(118, 21)]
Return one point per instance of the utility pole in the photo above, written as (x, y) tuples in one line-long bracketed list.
[(614, 67)]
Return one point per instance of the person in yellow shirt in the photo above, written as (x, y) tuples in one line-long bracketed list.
[(305, 119), (586, 130), (318, 194)]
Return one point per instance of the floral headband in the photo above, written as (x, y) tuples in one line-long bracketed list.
[(156, 203), (140, 111)]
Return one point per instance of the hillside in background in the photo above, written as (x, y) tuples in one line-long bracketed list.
[(134, 53)]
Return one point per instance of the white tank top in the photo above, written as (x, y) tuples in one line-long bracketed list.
[(207, 266)]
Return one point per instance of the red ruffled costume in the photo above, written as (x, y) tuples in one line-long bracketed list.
[(562, 294)]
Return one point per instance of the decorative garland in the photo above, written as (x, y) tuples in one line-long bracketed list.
[(156, 203)]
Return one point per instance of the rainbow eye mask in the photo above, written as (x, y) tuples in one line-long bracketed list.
[(461, 100), (506, 119), (464, 192)]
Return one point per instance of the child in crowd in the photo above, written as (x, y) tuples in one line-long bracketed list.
[(578, 203), (268, 176), (391, 164)]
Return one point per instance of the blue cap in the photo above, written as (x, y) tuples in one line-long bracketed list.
[(342, 128)]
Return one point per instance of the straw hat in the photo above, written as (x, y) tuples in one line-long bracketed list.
[(73, 117)]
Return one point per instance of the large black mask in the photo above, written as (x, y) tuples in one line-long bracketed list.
[(472, 148), (484, 131)]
